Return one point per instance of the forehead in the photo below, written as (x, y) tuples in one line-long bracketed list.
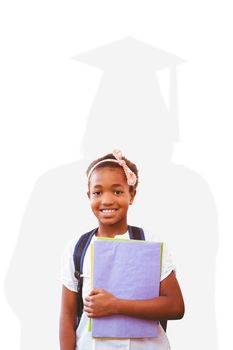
[(108, 176)]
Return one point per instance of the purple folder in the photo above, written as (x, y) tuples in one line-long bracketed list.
[(129, 269)]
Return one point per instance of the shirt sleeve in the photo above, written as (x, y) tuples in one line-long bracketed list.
[(167, 263), (67, 268)]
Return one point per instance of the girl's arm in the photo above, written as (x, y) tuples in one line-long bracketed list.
[(168, 306), (68, 319)]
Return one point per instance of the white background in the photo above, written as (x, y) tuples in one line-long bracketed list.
[(46, 96)]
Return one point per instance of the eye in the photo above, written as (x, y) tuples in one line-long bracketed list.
[(96, 193), (118, 193)]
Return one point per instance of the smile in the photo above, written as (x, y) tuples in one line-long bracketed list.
[(108, 210)]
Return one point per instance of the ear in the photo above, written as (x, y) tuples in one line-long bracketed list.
[(132, 195), (88, 194)]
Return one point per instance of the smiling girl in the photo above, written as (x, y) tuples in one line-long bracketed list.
[(112, 183)]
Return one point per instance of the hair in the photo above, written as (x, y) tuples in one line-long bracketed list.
[(110, 164)]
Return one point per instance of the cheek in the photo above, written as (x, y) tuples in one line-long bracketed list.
[(125, 203), (94, 204)]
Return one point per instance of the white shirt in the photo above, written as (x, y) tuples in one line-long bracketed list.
[(83, 335)]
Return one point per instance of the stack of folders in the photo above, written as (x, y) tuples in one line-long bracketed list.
[(129, 269)]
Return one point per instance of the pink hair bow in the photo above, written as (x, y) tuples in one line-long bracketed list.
[(131, 177)]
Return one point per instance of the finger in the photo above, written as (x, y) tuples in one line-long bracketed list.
[(87, 304), (95, 291), (87, 309), (89, 312)]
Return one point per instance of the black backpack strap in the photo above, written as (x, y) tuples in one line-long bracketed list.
[(78, 257), (163, 324), (136, 233)]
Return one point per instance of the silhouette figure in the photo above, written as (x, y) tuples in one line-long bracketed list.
[(174, 203)]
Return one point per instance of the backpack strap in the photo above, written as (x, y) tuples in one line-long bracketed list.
[(80, 251), (78, 257), (163, 324), (136, 233)]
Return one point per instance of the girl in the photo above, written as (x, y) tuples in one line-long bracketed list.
[(112, 183)]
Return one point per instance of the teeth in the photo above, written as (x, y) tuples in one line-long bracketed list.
[(108, 210)]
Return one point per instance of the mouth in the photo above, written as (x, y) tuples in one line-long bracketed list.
[(108, 211)]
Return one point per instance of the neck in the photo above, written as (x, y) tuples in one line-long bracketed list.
[(111, 230)]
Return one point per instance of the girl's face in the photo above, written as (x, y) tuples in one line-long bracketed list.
[(110, 196)]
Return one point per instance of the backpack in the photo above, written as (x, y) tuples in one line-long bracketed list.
[(80, 249)]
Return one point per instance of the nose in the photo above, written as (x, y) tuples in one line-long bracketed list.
[(107, 198)]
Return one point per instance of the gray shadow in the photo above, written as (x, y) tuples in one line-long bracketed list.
[(173, 202)]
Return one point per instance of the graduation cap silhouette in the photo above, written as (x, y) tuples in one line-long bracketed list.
[(120, 53), (129, 62)]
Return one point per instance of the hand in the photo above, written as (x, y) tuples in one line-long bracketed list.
[(100, 303)]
